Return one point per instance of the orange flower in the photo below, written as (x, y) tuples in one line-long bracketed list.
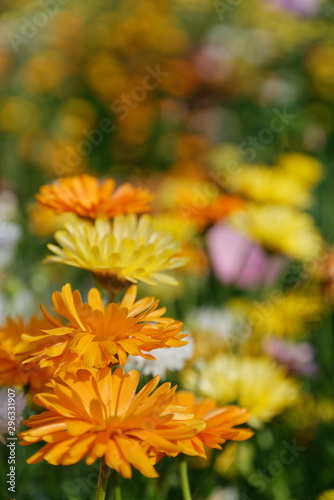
[(205, 214), (97, 336), (220, 422), (96, 413), (12, 369), (87, 197)]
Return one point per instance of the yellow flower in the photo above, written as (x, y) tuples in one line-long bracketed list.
[(95, 335), (125, 251), (327, 495), (306, 169), (255, 383), (270, 185), (44, 222), (286, 315), (280, 229)]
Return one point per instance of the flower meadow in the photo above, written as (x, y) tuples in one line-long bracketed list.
[(166, 250)]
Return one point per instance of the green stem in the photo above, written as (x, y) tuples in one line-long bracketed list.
[(116, 490), (183, 467), (103, 480)]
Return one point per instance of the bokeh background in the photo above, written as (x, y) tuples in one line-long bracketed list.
[(225, 110)]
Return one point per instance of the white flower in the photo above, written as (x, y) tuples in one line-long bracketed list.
[(20, 404), (172, 358), (10, 235), (219, 322), (224, 494)]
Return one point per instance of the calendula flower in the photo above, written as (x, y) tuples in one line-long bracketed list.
[(95, 335), (287, 314), (125, 251), (255, 383), (19, 405), (98, 414), (219, 422), (280, 229), (88, 197), (12, 369), (271, 185)]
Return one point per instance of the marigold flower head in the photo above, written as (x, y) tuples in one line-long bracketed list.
[(95, 335), (219, 422), (13, 371), (97, 413), (88, 197), (119, 253), (280, 229), (255, 383)]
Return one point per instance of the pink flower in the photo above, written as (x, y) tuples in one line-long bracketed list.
[(239, 261), (297, 358), (303, 7)]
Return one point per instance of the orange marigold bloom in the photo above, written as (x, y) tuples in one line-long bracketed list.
[(220, 422), (12, 369), (205, 214), (97, 335), (97, 413), (88, 197)]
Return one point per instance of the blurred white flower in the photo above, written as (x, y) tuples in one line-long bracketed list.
[(224, 494), (20, 404), (10, 235), (8, 206), (173, 358), (219, 322)]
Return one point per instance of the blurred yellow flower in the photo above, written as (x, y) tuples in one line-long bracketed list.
[(270, 185), (286, 314), (255, 383), (44, 222), (306, 169), (327, 495), (280, 229), (121, 252)]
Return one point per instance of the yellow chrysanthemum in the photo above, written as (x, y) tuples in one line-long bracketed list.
[(97, 414), (95, 335), (264, 184), (255, 383), (285, 315), (280, 229), (126, 250)]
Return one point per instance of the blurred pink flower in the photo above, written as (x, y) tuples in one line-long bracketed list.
[(303, 7), (297, 358), (239, 261)]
